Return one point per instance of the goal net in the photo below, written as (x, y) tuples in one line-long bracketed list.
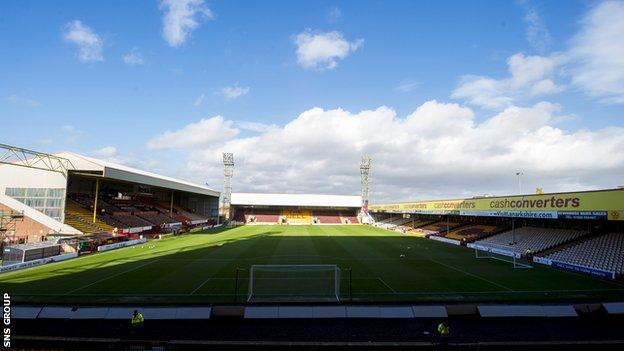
[(307, 283), (517, 260)]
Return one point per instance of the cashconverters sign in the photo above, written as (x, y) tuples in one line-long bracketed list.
[(602, 204)]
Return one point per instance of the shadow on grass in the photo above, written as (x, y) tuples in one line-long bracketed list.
[(385, 269)]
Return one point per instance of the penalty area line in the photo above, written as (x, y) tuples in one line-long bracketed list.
[(386, 284), (471, 274), (109, 277), (200, 285)]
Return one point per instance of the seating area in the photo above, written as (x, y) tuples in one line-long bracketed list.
[(263, 216), (82, 219), (534, 238), (122, 213), (437, 227), (349, 218), (297, 216), (392, 222), (327, 217), (471, 232), (156, 217), (129, 221), (293, 216), (603, 252)]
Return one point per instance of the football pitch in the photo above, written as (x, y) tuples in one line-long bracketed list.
[(385, 267)]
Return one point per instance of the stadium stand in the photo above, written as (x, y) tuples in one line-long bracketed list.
[(131, 221), (82, 219), (437, 227), (155, 217), (536, 239), (298, 216), (327, 217), (264, 215), (392, 222), (415, 224), (349, 218), (603, 252), (471, 232), (239, 216)]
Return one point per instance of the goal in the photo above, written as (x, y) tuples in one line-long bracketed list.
[(285, 283), (516, 259)]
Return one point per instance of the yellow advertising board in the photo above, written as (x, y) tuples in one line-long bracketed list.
[(600, 203)]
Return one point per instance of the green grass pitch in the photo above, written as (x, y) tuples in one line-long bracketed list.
[(386, 267)]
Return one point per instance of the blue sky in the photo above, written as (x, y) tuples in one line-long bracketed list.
[(262, 65)]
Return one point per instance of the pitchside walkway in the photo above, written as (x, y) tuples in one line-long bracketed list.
[(311, 311), (224, 327)]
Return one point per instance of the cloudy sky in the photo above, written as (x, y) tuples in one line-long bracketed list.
[(448, 98)]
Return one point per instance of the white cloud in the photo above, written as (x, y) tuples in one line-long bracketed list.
[(529, 76), (598, 52), (133, 57), (206, 132), (439, 150), (407, 86), (323, 50), (22, 101), (536, 32), (199, 100), (111, 154), (233, 92), (181, 18), (71, 134), (334, 14), (106, 152), (593, 63), (255, 126), (89, 43)]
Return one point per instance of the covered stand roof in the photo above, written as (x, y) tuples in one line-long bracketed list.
[(301, 200), (124, 173)]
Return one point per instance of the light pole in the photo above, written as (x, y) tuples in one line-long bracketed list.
[(519, 174)]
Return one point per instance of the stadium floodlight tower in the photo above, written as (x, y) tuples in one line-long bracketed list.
[(365, 166), (228, 172)]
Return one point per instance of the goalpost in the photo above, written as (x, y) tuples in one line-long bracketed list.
[(306, 282), (511, 257)]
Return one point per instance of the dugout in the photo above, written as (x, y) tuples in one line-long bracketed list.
[(29, 252)]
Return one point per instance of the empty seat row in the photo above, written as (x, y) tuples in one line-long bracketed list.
[(536, 239), (605, 252)]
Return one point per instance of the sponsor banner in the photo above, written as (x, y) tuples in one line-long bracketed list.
[(542, 260), (443, 239), (582, 269), (121, 244), (598, 202), (512, 214), (38, 262), (135, 230), (199, 221), (495, 250), (172, 225), (583, 214)]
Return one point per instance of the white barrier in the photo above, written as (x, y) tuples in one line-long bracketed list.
[(135, 230), (494, 250), (199, 221), (120, 244), (38, 262), (445, 240), (542, 260)]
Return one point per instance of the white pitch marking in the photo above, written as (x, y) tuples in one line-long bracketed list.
[(470, 274), (200, 285), (109, 277), (386, 284)]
